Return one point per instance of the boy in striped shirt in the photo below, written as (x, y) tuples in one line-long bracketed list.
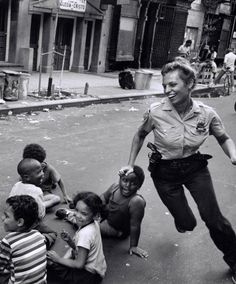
[(23, 254)]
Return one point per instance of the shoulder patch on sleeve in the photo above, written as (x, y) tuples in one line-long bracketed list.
[(155, 105)]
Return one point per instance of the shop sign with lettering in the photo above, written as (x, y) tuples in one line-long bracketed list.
[(73, 5)]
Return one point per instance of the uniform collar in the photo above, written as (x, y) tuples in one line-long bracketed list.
[(166, 105)]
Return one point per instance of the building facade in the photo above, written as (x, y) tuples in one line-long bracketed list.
[(210, 22), (30, 28), (146, 33), (104, 35)]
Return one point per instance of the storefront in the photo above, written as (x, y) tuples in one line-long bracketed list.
[(39, 32), (67, 27), (146, 33)]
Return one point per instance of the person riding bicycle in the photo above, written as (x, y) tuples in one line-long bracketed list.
[(229, 64)]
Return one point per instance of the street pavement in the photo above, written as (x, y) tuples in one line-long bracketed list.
[(88, 145), (102, 88)]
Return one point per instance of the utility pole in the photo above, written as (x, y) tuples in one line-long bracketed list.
[(49, 90)]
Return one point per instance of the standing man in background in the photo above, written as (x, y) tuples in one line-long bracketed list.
[(184, 49)]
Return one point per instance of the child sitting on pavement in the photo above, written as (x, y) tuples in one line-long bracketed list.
[(84, 262), (23, 256), (124, 210), (31, 174), (51, 176)]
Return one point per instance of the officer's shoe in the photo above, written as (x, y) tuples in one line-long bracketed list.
[(182, 231)]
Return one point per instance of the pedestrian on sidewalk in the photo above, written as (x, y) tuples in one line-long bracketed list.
[(184, 49), (229, 64), (180, 126)]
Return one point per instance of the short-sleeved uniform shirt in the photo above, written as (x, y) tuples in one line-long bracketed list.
[(175, 137)]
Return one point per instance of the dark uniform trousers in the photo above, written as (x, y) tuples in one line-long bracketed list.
[(169, 176)]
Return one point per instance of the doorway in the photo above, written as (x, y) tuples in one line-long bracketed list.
[(88, 45), (34, 38), (63, 40), (3, 29)]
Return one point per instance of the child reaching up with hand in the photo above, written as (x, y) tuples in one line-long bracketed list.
[(84, 262)]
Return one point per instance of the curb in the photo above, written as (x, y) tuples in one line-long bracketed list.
[(59, 104), (26, 106)]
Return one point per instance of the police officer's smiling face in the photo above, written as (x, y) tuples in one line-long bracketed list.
[(175, 88)]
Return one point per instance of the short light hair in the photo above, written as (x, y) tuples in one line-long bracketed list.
[(186, 71)]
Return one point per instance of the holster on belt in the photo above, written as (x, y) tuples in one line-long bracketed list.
[(154, 156)]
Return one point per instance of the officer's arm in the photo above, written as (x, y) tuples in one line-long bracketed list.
[(137, 144)]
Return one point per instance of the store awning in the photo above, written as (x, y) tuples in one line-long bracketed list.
[(115, 2), (43, 5), (82, 8), (93, 11)]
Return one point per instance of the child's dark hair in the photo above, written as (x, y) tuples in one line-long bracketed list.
[(25, 207), (34, 151), (91, 199), (25, 166), (139, 174)]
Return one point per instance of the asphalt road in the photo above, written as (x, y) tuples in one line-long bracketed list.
[(88, 146)]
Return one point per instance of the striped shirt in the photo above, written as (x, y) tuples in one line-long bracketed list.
[(24, 255)]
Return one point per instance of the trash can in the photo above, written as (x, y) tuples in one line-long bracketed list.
[(11, 86), (24, 85), (149, 75), (142, 79), (2, 83)]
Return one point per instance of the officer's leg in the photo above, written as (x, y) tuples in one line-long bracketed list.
[(172, 195), (201, 188)]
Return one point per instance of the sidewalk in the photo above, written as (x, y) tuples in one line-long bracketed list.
[(103, 88)]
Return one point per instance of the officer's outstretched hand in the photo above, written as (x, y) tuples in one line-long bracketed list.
[(125, 170)]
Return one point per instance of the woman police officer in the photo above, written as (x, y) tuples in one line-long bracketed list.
[(180, 126)]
